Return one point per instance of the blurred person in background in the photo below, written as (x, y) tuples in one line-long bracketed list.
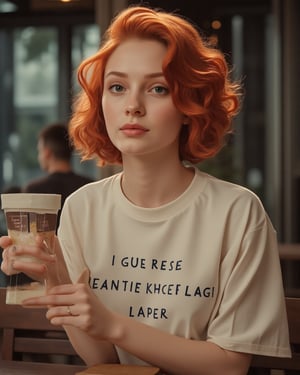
[(54, 155)]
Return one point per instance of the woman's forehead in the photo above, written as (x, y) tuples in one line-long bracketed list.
[(137, 54)]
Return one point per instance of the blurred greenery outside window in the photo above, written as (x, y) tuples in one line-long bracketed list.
[(36, 96)]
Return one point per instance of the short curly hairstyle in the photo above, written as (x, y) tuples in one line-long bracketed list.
[(197, 75)]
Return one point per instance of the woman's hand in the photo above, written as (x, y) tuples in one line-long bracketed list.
[(7, 262), (43, 265), (76, 305), (16, 258)]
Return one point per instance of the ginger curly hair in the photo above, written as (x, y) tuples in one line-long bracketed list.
[(197, 75)]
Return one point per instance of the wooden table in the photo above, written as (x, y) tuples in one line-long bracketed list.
[(118, 369), (35, 368)]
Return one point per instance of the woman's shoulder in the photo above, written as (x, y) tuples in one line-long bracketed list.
[(233, 203), (230, 195), (224, 188), (99, 188)]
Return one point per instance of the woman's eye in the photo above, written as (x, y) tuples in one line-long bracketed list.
[(160, 90), (116, 88)]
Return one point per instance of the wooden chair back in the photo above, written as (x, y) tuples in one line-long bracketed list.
[(265, 363), (28, 331)]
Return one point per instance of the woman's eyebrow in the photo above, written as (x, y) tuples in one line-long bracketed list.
[(154, 75), (115, 73), (121, 74)]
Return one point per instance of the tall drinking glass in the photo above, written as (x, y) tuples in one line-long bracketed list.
[(28, 215)]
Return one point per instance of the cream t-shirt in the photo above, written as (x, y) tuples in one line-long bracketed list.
[(204, 266)]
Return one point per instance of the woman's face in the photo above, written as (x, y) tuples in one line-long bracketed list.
[(140, 116)]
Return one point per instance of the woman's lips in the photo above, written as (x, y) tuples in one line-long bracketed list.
[(133, 130)]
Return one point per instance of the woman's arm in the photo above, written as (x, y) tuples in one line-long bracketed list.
[(175, 355), (92, 351)]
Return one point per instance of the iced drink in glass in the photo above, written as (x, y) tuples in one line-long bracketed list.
[(28, 215)]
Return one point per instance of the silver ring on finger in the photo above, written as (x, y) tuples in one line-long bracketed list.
[(69, 311)]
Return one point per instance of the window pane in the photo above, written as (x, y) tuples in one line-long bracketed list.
[(35, 94), (85, 42)]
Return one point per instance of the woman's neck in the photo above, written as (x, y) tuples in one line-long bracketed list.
[(155, 185)]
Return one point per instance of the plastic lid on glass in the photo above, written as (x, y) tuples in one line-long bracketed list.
[(31, 201)]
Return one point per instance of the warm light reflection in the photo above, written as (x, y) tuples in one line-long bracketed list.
[(213, 40), (216, 24)]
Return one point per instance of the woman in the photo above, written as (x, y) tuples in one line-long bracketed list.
[(183, 269)]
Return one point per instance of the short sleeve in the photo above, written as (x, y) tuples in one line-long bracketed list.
[(251, 316)]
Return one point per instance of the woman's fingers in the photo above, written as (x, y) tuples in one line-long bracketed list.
[(37, 252), (57, 296), (5, 241), (32, 269), (26, 259), (7, 264), (8, 260), (65, 302), (65, 311)]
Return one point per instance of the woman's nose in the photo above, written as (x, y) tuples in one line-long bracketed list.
[(135, 108)]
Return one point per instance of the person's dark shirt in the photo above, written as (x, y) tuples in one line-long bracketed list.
[(63, 183)]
